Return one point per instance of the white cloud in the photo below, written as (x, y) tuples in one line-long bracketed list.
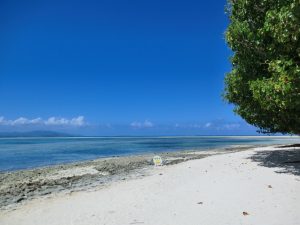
[(232, 126), (208, 125), (37, 121), (221, 125), (145, 124), (52, 121), (57, 121), (215, 125), (2, 120), (79, 121), (21, 121), (148, 124)]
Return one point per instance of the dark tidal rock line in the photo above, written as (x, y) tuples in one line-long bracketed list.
[(18, 186)]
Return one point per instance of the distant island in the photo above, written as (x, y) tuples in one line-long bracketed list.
[(39, 133)]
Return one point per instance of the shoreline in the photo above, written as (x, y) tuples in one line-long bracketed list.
[(29, 153), (255, 186), (21, 186)]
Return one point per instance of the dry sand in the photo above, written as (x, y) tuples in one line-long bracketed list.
[(259, 186)]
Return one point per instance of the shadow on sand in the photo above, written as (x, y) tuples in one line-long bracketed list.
[(287, 158)]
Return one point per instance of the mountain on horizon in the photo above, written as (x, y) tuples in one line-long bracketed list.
[(38, 133)]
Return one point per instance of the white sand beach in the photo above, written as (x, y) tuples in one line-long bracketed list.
[(217, 190)]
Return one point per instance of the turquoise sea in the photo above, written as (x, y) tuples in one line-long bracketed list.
[(24, 153)]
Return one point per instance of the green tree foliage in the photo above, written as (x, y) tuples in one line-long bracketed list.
[(264, 84)]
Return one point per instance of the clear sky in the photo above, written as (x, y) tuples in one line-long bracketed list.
[(115, 67)]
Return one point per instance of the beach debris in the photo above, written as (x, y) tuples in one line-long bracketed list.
[(160, 174), (19, 199), (136, 222), (245, 213), (200, 203), (157, 160), (269, 186)]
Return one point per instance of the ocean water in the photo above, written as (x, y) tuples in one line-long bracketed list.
[(25, 153)]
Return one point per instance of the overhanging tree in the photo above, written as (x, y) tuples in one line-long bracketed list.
[(264, 83)]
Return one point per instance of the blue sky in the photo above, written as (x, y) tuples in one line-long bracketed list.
[(115, 67)]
